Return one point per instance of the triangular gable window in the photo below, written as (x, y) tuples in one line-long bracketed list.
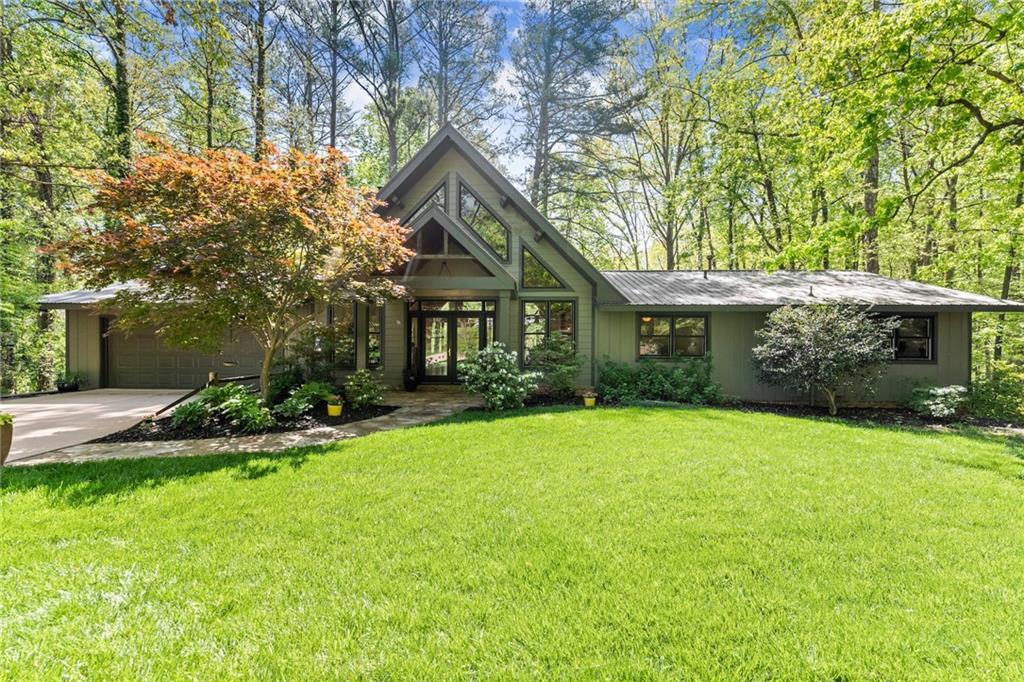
[(536, 275), (439, 198), (482, 221)]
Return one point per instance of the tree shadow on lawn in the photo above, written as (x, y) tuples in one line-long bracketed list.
[(87, 483)]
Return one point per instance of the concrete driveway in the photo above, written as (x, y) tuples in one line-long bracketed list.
[(48, 422)]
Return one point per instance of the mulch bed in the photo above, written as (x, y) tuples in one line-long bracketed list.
[(894, 416), (891, 416), (164, 429)]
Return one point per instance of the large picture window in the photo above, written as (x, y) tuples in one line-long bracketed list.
[(479, 218), (339, 339), (914, 338), (544, 318), (670, 336)]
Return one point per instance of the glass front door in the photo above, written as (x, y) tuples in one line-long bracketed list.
[(444, 333)]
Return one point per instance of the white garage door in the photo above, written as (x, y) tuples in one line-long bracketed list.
[(142, 361)]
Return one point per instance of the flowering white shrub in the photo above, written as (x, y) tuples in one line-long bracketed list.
[(494, 374), (938, 401)]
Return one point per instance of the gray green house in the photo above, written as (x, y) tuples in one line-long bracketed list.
[(490, 267)]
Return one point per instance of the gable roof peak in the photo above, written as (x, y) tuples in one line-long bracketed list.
[(448, 137)]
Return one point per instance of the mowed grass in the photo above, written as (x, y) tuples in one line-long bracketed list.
[(633, 543)]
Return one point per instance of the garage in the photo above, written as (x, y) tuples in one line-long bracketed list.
[(142, 360)]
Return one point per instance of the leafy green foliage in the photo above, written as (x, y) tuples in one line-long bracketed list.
[(494, 373), (6, 419), (72, 381), (287, 377), (363, 389), (191, 415), (684, 380), (231, 404), (304, 398), (823, 347), (558, 363), (1000, 394), (938, 401)]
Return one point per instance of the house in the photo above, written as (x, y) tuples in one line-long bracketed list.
[(490, 267)]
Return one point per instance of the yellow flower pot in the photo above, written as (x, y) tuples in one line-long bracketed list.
[(333, 410), (589, 401)]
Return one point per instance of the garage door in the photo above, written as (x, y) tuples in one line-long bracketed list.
[(142, 361)]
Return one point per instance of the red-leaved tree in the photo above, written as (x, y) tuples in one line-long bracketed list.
[(221, 241)]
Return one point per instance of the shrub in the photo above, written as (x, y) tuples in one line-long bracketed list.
[(683, 380), (190, 415), (362, 390), (824, 347), (304, 398), (999, 395), (6, 419), (558, 363), (938, 401), (232, 404), (494, 374), (282, 383), (246, 411)]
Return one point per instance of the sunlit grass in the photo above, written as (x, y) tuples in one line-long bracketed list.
[(602, 543)]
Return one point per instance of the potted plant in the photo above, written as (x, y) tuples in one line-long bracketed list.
[(6, 434), (333, 405), (70, 381), (409, 379), (589, 398)]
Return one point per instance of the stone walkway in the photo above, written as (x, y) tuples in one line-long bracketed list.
[(419, 407)]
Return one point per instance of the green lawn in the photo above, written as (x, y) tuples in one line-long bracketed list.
[(634, 543)]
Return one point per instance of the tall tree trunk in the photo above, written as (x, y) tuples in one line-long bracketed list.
[(210, 103), (122, 124), (730, 219), (335, 29), (46, 272), (1012, 268), (952, 222), (259, 93), (870, 238)]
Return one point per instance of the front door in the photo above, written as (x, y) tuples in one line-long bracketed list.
[(444, 333)]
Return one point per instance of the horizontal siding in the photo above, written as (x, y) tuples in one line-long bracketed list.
[(83, 345), (732, 341)]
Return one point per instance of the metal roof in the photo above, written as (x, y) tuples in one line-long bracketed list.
[(84, 297), (756, 289)]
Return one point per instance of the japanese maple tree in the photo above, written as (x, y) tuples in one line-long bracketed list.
[(221, 241)]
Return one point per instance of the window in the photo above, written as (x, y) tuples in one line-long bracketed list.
[(543, 318), (439, 198), (913, 339), (670, 336), (536, 275), (483, 222), (374, 328), (342, 338)]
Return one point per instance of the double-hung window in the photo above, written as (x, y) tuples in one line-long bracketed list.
[(914, 338)]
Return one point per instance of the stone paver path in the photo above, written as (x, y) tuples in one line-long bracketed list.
[(419, 407)]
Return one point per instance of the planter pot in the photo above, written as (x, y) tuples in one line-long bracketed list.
[(6, 434), (589, 401), (410, 383), (333, 410), (66, 388)]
